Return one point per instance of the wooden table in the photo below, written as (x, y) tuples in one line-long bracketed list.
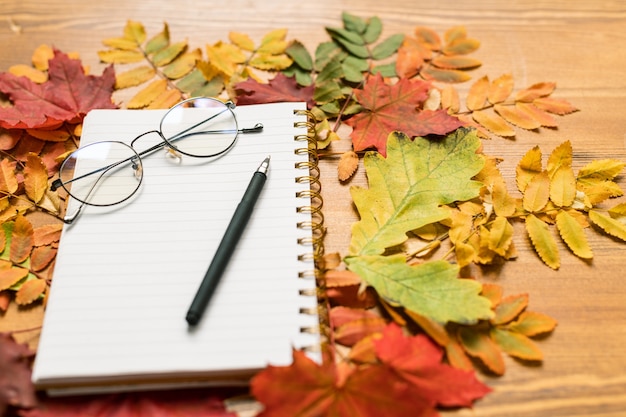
[(578, 44)]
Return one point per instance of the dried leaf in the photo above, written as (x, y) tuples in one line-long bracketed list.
[(537, 192), (120, 56), (500, 236), (479, 345), (30, 291), (543, 118), (166, 99), (543, 241), (563, 187), (41, 257), (456, 62), (516, 345), (509, 308), (348, 163), (500, 89), (41, 56), (493, 123), (535, 91), (135, 31), (611, 226), (225, 57), (16, 388), (168, 54), (35, 177), (528, 167), (11, 276), (573, 235), (461, 46), (134, 77), (350, 333), (337, 278), (59, 135), (410, 58), (241, 40), (450, 99), (428, 37), (553, 105), (477, 95), (280, 88), (516, 116), (8, 180), (147, 95), (29, 72), (530, 323), (432, 73)]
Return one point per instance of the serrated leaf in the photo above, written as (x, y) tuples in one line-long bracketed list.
[(273, 42), (30, 291), (477, 95), (535, 91), (121, 43), (22, 240), (386, 70), (409, 188), (135, 31), (530, 324), (428, 37), (455, 33), (537, 193), (11, 275), (543, 118), (118, 56), (8, 180), (181, 66), (611, 226), (134, 77), (387, 47), (516, 345), (225, 57), (509, 308), (554, 105), (503, 203), (603, 169), (543, 241), (563, 187), (500, 236), (573, 235), (348, 164), (241, 40), (493, 122), (432, 289), (147, 95), (560, 157), (166, 99), (528, 167), (461, 46), (270, 62), (500, 89), (429, 72), (455, 62), (300, 55), (35, 177), (517, 117), (373, 30), (353, 23), (479, 345), (169, 54), (360, 51), (158, 42)]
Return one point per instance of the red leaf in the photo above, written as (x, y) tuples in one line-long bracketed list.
[(16, 389), (66, 97), (173, 403), (418, 361), (280, 88), (308, 389), (389, 108)]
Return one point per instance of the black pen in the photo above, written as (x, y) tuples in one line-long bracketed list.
[(227, 245)]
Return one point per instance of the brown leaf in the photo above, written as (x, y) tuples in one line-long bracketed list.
[(348, 164), (22, 240), (60, 135), (479, 345), (30, 291), (517, 117), (35, 177)]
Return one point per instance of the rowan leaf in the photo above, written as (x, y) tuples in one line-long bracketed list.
[(611, 226), (352, 332), (500, 89), (563, 187), (543, 118), (537, 192), (8, 179), (35, 177), (410, 185), (456, 62), (517, 117), (554, 105), (159, 41), (11, 276), (432, 289), (168, 54), (135, 32), (595, 180), (134, 77), (479, 345), (66, 97), (432, 73), (535, 91), (528, 167), (560, 157), (500, 236), (573, 235), (543, 241), (388, 108), (30, 291), (477, 95), (508, 308), (516, 345), (241, 40), (147, 95), (530, 323), (493, 122), (120, 56), (225, 57), (462, 46), (182, 65)]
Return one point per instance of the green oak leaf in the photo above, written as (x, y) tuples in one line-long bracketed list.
[(431, 289), (408, 188)]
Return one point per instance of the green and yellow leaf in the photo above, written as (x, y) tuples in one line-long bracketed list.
[(516, 345), (479, 345), (530, 323)]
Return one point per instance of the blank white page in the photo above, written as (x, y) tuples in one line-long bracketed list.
[(125, 277)]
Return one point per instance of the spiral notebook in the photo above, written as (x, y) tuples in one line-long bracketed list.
[(125, 276)]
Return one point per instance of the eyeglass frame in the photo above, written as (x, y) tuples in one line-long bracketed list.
[(165, 143)]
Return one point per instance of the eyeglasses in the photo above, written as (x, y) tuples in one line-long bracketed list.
[(110, 172)]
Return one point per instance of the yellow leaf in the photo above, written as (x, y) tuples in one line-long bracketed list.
[(554, 105), (536, 113), (530, 323), (561, 156), (595, 180), (22, 240), (41, 56), (465, 253), (477, 95), (543, 241), (47, 234), (135, 31), (134, 77), (535, 91), (8, 180), (147, 95), (529, 166), (158, 41), (166, 99), (500, 236), (604, 169), (455, 33), (241, 40), (348, 164), (503, 203), (618, 212), (500, 89), (169, 54), (31, 73), (118, 56), (517, 117), (563, 187), (11, 276), (35, 177), (270, 62), (60, 135), (121, 43), (225, 57), (30, 291), (493, 123), (274, 42), (181, 66), (611, 226), (573, 235), (537, 193), (450, 99)]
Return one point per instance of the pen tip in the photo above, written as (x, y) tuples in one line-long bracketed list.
[(264, 165)]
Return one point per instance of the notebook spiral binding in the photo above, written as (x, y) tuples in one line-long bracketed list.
[(316, 225)]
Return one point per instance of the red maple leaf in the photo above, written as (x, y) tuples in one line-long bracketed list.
[(417, 360), (279, 89), (66, 97), (388, 108), (16, 388)]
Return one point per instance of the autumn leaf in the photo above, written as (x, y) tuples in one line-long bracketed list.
[(16, 388), (280, 88), (388, 108), (543, 241), (348, 164), (35, 177), (66, 97), (22, 240), (409, 187), (573, 235)]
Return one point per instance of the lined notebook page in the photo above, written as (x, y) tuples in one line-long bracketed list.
[(125, 277)]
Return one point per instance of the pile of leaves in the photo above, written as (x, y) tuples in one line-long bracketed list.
[(397, 306)]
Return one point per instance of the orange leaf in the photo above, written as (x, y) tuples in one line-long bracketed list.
[(363, 351), (47, 234), (428, 37), (410, 58), (493, 292), (500, 89), (530, 323), (341, 278), (450, 99), (536, 113), (35, 177), (49, 135), (477, 95), (8, 180), (348, 164), (493, 123), (479, 345), (554, 105), (30, 291), (535, 91), (147, 95), (351, 332), (41, 257), (461, 46), (11, 276), (516, 345), (517, 117), (429, 72), (341, 315), (22, 240), (509, 308)]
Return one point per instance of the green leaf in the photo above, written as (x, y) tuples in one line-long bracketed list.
[(373, 30), (357, 50), (387, 47), (353, 23), (340, 35), (169, 54), (327, 52), (159, 41), (353, 68), (408, 187), (386, 70), (299, 54), (431, 289), (530, 323)]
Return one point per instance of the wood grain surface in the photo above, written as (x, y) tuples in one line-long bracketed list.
[(577, 44)]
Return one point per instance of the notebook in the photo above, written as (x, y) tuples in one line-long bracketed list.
[(125, 276)]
